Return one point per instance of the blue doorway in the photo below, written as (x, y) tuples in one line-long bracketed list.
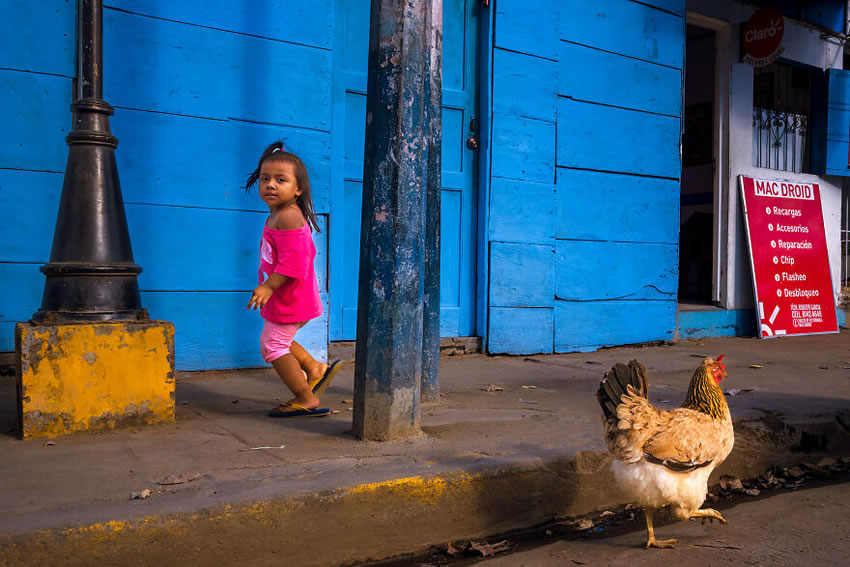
[(459, 167)]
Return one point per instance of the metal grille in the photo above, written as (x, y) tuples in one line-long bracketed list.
[(781, 103), (780, 140)]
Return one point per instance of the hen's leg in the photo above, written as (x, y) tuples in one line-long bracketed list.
[(708, 514), (650, 532)]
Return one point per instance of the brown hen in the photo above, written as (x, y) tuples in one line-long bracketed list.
[(666, 456)]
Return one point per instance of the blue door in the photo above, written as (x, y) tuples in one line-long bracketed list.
[(459, 162)]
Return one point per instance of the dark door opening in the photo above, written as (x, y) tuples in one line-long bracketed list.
[(696, 232)]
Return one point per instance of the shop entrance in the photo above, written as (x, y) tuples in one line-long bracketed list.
[(699, 168)]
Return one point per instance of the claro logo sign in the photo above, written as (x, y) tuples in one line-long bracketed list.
[(762, 37)]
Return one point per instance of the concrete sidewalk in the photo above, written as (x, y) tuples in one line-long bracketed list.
[(488, 461)]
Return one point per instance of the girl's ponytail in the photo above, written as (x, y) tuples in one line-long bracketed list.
[(255, 175)]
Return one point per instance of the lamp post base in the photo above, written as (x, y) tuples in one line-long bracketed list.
[(93, 376)]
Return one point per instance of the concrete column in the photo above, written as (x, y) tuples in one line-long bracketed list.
[(431, 325), (388, 367)]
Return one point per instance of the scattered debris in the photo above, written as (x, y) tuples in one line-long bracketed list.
[(492, 388), (486, 549), (731, 484), (141, 494), (48, 443), (334, 411), (755, 366), (478, 549), (350, 409), (529, 387), (347, 402), (823, 367), (664, 401), (736, 391), (260, 448), (234, 401), (591, 362), (716, 546), (178, 479), (528, 401), (606, 513), (582, 524)]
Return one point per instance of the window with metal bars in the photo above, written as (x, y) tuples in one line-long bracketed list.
[(781, 114)]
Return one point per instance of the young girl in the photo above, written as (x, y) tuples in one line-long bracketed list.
[(288, 294)]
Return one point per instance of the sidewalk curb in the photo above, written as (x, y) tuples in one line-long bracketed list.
[(411, 514)]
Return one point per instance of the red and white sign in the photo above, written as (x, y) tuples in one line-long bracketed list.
[(789, 258), (762, 37)]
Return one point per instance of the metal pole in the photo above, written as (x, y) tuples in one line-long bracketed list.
[(388, 367), (431, 325), (91, 275)]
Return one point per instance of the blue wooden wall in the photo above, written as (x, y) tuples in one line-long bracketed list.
[(581, 196), (199, 89), (584, 195)]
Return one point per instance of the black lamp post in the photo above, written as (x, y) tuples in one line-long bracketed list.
[(91, 275)]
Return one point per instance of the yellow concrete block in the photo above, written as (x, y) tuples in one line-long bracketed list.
[(93, 376)]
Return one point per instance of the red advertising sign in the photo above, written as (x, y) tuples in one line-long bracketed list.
[(762, 37), (789, 258)]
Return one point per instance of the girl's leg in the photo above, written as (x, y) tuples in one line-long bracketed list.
[(312, 367), (289, 370)]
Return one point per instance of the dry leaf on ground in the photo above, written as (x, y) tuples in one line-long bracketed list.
[(178, 479)]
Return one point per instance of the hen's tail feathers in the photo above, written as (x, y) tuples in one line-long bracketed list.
[(615, 385)]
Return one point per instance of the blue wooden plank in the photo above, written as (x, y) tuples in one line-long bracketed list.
[(212, 330), (521, 275), (7, 336), (454, 46), (675, 6), (355, 134), (627, 28), (592, 205), (299, 21), (172, 259), (37, 119), (21, 286), (591, 271), (528, 27), (451, 219), (525, 86), (520, 330), (356, 40), (29, 201), (153, 170), (165, 66), (589, 325), (585, 74), (522, 211), (838, 123), (717, 323), (225, 259), (38, 35), (523, 149), (614, 139)]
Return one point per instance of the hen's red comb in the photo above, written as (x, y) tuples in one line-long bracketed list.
[(719, 358)]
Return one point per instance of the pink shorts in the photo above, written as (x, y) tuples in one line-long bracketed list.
[(276, 338)]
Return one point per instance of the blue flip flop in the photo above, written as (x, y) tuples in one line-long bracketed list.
[(298, 411), (322, 385)]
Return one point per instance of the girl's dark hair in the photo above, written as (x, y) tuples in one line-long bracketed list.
[(275, 152)]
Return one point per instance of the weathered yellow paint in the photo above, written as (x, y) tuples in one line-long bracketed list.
[(96, 376), (427, 490)]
